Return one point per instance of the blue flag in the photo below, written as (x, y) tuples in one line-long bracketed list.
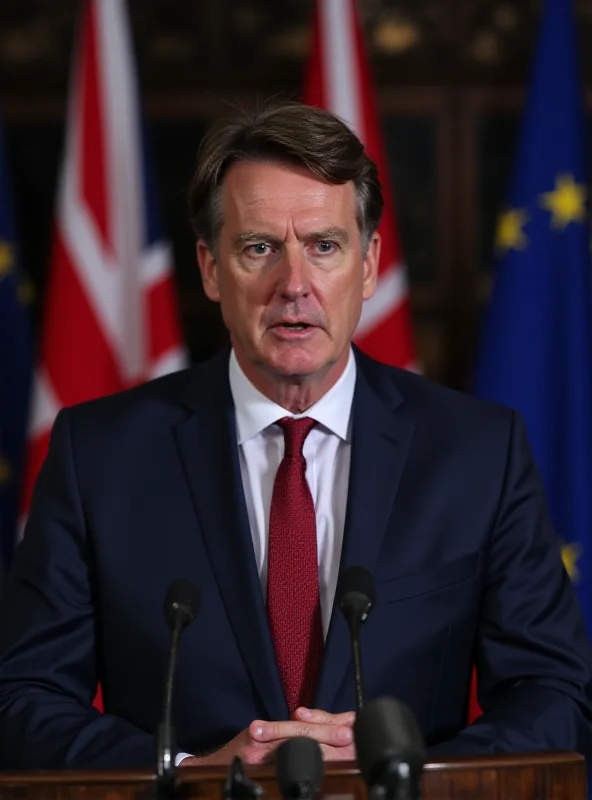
[(15, 368), (536, 350)]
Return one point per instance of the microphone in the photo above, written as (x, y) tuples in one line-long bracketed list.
[(181, 604), (355, 597), (390, 750), (238, 785), (299, 768)]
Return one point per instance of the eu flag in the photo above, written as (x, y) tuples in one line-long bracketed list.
[(15, 367), (536, 350)]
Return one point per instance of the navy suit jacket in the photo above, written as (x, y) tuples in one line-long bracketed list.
[(445, 507)]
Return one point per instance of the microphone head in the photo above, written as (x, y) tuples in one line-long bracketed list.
[(386, 735), (181, 603), (299, 768), (355, 593)]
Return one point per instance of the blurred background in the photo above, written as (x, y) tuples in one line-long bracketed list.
[(449, 77)]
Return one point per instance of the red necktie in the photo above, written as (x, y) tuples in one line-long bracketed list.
[(293, 607)]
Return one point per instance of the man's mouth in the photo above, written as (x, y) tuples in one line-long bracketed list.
[(295, 326)]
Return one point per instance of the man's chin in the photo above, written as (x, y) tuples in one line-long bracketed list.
[(297, 370), (292, 364)]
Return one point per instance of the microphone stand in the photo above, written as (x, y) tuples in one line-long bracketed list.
[(355, 595), (238, 785), (165, 740), (354, 632), (181, 605)]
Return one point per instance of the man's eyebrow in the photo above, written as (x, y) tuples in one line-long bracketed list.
[(247, 237), (244, 237), (340, 234)]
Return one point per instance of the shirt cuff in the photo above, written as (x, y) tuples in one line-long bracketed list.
[(180, 757)]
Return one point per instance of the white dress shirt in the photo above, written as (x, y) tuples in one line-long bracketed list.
[(327, 450)]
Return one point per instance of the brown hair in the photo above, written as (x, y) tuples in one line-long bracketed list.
[(290, 133)]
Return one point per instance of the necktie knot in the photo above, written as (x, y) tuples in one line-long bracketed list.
[(295, 432)]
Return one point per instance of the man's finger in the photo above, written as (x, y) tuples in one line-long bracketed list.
[(258, 753), (336, 735), (317, 715), (338, 753)]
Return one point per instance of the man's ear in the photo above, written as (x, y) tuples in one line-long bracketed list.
[(371, 266), (209, 270)]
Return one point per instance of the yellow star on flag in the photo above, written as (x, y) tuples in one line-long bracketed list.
[(509, 234), (5, 258), (566, 202), (570, 554)]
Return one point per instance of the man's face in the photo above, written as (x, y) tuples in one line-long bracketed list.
[(290, 274)]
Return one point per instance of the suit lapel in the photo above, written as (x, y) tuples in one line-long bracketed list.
[(208, 449), (381, 438)]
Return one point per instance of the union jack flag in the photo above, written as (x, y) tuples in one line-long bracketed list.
[(110, 317), (338, 79)]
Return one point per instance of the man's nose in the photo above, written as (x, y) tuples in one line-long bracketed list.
[(293, 274)]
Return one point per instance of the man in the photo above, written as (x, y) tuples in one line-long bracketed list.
[(262, 473)]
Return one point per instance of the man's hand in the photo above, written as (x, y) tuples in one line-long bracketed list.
[(332, 731), (256, 744)]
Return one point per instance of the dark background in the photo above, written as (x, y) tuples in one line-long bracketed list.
[(450, 78)]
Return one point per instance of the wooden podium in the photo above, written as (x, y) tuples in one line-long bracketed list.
[(524, 776)]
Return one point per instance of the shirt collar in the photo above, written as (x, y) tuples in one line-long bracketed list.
[(255, 411)]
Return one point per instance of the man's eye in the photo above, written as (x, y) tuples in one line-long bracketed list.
[(258, 249), (325, 247)]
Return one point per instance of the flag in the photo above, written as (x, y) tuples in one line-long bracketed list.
[(15, 367), (110, 318), (338, 79), (536, 348)]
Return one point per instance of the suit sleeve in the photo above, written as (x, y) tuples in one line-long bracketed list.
[(48, 651), (533, 656)]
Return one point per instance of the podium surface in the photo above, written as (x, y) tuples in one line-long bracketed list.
[(523, 776)]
